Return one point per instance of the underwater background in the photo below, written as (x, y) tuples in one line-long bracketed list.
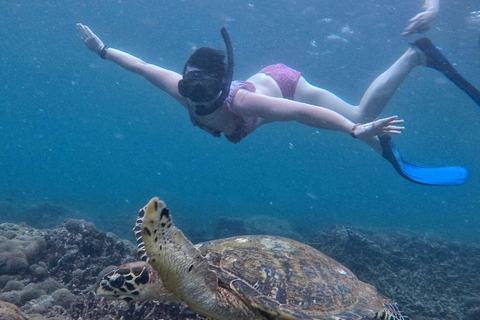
[(80, 133)]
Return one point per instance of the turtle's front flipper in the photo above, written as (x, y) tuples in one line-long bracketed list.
[(137, 230), (392, 311), (182, 268)]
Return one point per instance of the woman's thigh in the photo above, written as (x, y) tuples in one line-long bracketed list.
[(307, 93)]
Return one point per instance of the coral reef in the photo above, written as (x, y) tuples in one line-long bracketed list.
[(90, 307), (60, 268), (19, 248), (429, 277), (52, 273), (45, 271)]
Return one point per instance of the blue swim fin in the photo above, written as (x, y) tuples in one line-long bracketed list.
[(435, 176), (436, 60)]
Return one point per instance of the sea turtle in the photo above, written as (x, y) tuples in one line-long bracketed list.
[(241, 278)]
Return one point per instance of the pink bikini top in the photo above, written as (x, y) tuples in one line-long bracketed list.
[(242, 127)]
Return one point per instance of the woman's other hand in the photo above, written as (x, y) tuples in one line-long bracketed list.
[(91, 40), (390, 125)]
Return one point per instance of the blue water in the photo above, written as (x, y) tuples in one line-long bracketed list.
[(83, 133)]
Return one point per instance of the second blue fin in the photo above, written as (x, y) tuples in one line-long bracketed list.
[(436, 176)]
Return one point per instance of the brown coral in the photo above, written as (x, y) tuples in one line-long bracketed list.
[(10, 311)]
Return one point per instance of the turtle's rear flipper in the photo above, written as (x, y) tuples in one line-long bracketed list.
[(436, 176), (437, 61), (392, 311)]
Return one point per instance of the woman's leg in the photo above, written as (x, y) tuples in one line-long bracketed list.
[(384, 87), (375, 98)]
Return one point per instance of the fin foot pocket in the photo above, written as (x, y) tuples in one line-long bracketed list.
[(436, 60)]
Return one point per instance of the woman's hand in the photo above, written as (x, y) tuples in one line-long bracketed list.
[(91, 40), (382, 126)]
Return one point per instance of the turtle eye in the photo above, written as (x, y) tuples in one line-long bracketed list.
[(117, 282)]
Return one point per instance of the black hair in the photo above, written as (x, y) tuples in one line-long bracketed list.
[(210, 60)]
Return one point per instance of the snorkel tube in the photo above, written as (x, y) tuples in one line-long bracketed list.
[(227, 81), (229, 75)]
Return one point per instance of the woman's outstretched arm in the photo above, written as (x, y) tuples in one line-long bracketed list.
[(279, 109), (164, 79)]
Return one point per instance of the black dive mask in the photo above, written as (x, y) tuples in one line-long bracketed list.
[(199, 86)]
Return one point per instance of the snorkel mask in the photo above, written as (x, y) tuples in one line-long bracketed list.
[(201, 86)]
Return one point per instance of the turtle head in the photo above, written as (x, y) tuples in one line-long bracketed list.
[(135, 281)]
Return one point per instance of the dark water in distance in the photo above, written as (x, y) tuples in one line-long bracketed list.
[(82, 132)]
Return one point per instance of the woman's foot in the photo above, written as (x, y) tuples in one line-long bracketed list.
[(436, 60)]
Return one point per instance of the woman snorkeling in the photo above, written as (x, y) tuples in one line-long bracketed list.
[(279, 93)]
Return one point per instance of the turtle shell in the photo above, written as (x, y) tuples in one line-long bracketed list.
[(302, 280)]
